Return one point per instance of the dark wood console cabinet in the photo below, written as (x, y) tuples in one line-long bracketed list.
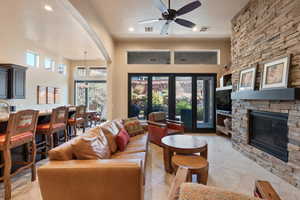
[(12, 81)]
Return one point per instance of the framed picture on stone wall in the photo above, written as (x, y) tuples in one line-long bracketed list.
[(275, 74), (247, 79)]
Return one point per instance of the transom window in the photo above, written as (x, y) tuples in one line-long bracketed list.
[(61, 69), (49, 64), (149, 57), (81, 71), (197, 57), (97, 71), (32, 59)]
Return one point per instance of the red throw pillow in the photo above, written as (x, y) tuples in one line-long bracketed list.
[(122, 139)]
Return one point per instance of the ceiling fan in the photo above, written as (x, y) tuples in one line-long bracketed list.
[(170, 15)]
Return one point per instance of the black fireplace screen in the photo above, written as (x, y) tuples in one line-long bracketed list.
[(269, 132)]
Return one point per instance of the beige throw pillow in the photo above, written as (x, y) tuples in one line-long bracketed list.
[(111, 131), (91, 146)]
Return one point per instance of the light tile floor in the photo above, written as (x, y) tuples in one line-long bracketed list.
[(228, 169)]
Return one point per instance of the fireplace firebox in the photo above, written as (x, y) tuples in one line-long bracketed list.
[(268, 132)]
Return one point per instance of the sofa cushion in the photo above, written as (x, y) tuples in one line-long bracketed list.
[(63, 152), (122, 139), (139, 139), (91, 146), (191, 191), (136, 144), (125, 156), (111, 131), (133, 127)]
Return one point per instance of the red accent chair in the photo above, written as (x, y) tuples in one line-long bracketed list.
[(159, 126)]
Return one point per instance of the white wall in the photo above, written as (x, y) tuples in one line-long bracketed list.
[(14, 45), (121, 68)]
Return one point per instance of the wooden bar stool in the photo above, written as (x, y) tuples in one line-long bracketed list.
[(58, 123), (195, 165), (78, 119), (95, 119), (20, 130)]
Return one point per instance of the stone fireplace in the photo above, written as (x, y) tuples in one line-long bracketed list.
[(262, 32), (289, 168), (268, 131)]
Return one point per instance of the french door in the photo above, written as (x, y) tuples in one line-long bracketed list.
[(186, 97), (92, 94)]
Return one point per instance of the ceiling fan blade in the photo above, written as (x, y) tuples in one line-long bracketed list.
[(149, 21), (161, 6), (188, 8), (165, 28), (185, 23)]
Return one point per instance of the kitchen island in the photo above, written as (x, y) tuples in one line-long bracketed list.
[(19, 153)]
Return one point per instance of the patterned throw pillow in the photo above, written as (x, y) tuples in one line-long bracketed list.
[(133, 127), (110, 131)]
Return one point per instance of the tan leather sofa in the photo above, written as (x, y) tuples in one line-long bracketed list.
[(121, 177)]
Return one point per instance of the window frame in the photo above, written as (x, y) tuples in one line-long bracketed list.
[(148, 50), (52, 64), (64, 68), (218, 51), (36, 58), (93, 68)]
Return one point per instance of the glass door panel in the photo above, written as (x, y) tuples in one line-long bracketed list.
[(183, 100), (160, 94), (205, 103), (93, 95), (80, 90), (96, 100), (139, 97)]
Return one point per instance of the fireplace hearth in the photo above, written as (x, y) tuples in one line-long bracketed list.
[(268, 131)]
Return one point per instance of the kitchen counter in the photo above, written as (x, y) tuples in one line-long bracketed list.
[(4, 117)]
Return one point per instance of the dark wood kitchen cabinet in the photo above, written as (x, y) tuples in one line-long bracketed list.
[(12, 81)]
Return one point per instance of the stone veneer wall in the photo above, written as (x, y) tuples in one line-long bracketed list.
[(263, 31)]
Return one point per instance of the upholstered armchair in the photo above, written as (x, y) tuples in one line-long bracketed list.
[(180, 190), (159, 126)]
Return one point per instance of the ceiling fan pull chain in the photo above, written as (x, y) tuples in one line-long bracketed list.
[(169, 4)]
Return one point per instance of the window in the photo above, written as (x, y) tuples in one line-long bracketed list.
[(32, 59), (49, 64), (61, 69), (149, 57), (97, 71), (81, 71), (197, 57)]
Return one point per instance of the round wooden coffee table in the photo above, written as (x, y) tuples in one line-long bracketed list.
[(182, 144)]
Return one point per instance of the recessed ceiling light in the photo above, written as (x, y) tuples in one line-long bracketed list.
[(48, 8), (195, 29), (130, 29)]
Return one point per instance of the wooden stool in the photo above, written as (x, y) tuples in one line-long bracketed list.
[(20, 130), (195, 165), (58, 122), (78, 119)]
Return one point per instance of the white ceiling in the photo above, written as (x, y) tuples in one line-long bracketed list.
[(55, 31), (119, 15)]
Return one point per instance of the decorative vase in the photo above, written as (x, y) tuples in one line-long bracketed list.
[(228, 123)]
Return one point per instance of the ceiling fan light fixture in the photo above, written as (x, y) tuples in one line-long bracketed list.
[(195, 29), (130, 29), (48, 8)]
